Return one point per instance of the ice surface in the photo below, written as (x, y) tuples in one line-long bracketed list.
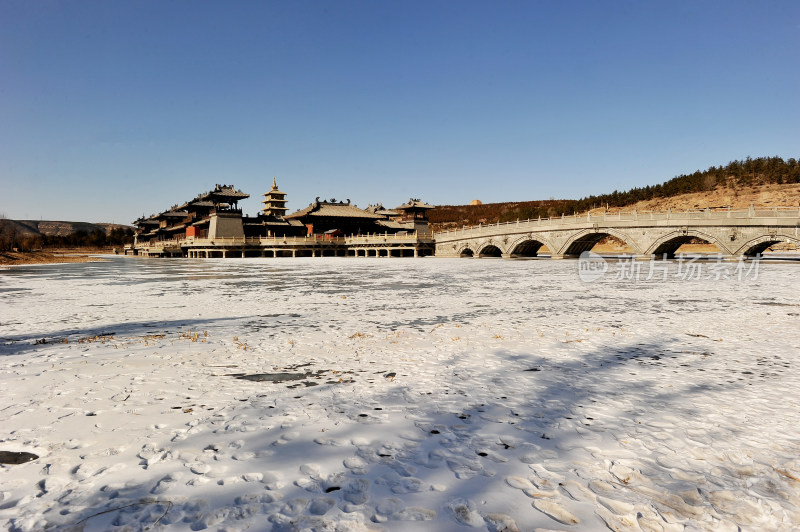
[(438, 395)]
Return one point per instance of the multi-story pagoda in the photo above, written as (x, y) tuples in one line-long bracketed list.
[(274, 202)]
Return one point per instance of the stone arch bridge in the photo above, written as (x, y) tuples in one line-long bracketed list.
[(735, 233)]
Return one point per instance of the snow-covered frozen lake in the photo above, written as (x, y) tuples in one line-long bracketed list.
[(430, 394)]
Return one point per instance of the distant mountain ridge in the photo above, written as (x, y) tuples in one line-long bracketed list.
[(28, 235), (58, 228)]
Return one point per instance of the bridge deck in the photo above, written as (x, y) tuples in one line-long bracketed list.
[(647, 233)]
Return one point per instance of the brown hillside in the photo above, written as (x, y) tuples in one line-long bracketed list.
[(770, 195)]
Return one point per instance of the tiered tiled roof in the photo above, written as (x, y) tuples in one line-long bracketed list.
[(221, 198), (334, 209)]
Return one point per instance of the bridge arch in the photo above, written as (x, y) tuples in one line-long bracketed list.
[(669, 243), (464, 249), (528, 246), (490, 249), (759, 245), (586, 239)]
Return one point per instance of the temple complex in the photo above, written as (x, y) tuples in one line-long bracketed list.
[(212, 225)]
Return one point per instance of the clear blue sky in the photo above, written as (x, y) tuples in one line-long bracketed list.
[(114, 109)]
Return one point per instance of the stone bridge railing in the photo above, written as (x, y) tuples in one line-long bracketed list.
[(378, 238), (734, 232)]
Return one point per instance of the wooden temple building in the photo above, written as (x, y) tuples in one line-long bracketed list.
[(212, 225)]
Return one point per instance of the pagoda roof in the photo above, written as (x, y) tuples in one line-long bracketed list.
[(274, 189), (415, 203), (146, 221), (333, 209)]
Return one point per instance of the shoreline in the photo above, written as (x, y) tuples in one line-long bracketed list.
[(21, 258), (68, 256)]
